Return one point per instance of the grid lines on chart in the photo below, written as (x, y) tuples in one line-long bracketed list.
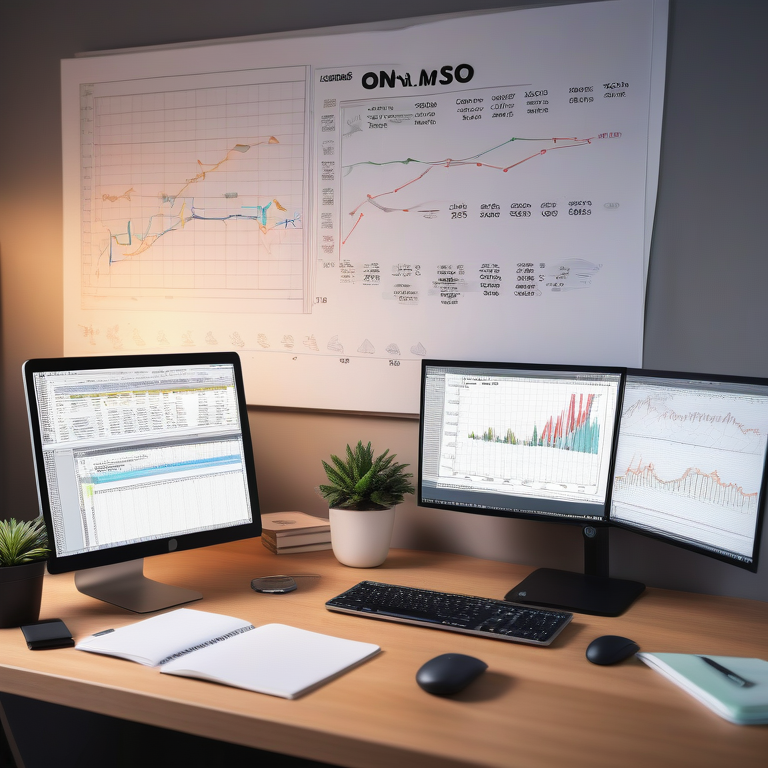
[(197, 192), (520, 410), (691, 456)]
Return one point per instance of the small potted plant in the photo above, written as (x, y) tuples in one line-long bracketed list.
[(23, 552), (362, 493)]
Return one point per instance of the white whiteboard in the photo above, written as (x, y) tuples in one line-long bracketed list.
[(338, 207)]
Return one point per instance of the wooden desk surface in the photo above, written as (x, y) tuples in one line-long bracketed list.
[(533, 707)]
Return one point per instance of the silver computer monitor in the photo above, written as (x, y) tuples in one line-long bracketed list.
[(136, 456)]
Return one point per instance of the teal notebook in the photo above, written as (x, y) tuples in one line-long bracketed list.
[(741, 697)]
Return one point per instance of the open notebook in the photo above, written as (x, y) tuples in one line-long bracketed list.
[(274, 658)]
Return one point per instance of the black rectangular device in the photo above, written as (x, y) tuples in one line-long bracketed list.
[(471, 615), (47, 634)]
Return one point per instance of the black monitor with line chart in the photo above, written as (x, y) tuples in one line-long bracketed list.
[(691, 462), (518, 440)]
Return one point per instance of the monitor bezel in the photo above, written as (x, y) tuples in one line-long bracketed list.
[(691, 547), (517, 514), (127, 552)]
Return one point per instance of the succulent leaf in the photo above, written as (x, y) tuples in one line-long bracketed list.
[(364, 482), (342, 468), (22, 542)]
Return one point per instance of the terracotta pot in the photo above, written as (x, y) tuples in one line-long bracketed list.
[(21, 589), (361, 539)]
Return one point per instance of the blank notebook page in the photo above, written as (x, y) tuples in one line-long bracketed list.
[(275, 659)]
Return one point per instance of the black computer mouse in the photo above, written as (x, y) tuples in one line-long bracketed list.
[(611, 649), (449, 673)]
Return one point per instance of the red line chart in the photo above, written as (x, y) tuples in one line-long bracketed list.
[(451, 163)]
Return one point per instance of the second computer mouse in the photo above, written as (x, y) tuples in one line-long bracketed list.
[(449, 673), (611, 649)]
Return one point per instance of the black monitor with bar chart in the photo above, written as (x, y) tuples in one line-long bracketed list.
[(528, 441), (518, 441)]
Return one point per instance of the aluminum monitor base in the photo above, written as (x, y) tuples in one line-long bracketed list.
[(126, 586)]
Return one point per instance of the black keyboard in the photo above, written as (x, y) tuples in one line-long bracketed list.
[(457, 613)]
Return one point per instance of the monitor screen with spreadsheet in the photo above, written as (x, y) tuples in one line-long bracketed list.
[(691, 462), (140, 455)]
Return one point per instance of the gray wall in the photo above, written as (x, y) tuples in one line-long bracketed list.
[(708, 273)]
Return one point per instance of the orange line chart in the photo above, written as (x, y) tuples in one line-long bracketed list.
[(693, 483), (145, 240)]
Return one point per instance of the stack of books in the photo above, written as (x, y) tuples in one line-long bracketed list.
[(285, 533)]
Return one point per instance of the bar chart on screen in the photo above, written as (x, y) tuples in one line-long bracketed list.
[(518, 432)]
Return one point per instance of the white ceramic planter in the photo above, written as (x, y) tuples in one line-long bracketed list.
[(361, 539)]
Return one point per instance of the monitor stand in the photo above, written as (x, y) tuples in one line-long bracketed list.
[(592, 592), (126, 586)]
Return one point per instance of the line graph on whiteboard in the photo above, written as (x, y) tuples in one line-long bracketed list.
[(429, 209), (193, 193), (421, 166), (452, 175), (339, 206)]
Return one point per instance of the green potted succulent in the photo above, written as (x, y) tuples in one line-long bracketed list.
[(23, 552), (362, 493)]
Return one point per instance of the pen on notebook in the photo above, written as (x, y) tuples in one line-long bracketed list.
[(732, 676), (103, 632)]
